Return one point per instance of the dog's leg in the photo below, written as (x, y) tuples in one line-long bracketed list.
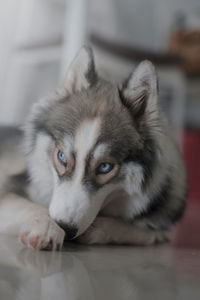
[(31, 222), (107, 230)]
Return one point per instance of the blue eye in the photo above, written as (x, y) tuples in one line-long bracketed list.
[(62, 158), (104, 168)]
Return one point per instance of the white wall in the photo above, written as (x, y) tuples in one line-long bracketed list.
[(9, 10), (30, 53), (31, 40)]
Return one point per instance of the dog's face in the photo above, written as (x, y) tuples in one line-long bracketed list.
[(87, 142)]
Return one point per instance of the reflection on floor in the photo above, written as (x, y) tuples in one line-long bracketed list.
[(170, 271)]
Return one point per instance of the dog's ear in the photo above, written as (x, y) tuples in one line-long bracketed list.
[(80, 75), (139, 91)]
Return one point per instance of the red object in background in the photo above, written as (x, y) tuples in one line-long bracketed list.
[(192, 161), (188, 231)]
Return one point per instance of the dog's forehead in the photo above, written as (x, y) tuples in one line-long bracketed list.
[(100, 136), (85, 138)]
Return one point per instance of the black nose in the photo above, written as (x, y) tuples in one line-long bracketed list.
[(70, 230)]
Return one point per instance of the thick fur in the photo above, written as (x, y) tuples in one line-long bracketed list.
[(93, 121)]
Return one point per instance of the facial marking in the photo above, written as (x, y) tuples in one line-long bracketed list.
[(85, 140), (100, 151)]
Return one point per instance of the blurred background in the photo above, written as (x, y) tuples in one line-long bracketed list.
[(39, 38)]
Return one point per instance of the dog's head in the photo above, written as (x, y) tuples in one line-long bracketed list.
[(90, 140)]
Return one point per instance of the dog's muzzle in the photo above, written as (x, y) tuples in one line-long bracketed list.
[(70, 230)]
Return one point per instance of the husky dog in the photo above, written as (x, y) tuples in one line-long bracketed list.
[(100, 164)]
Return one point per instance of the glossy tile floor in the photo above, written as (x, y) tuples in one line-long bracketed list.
[(170, 271)]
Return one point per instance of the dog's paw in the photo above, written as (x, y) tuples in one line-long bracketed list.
[(42, 233), (161, 237), (108, 230), (148, 235), (96, 233)]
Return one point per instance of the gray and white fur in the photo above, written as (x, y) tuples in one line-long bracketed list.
[(100, 164)]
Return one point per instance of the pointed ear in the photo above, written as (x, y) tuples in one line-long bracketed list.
[(80, 75), (139, 92)]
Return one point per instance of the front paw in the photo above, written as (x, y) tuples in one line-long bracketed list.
[(96, 233), (42, 233), (114, 231)]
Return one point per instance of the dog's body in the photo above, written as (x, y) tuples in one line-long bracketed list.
[(100, 165)]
